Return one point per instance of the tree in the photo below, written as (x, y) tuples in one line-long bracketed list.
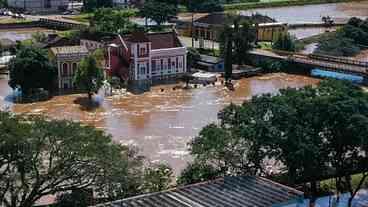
[(80, 197), (192, 56), (284, 42), (345, 130), (39, 157), (158, 11), (157, 177), (204, 6), (315, 132), (113, 21), (89, 76), (347, 40), (337, 46), (243, 36), (31, 69), (196, 173), (228, 56), (90, 5)]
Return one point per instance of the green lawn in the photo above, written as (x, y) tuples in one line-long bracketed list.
[(13, 20)]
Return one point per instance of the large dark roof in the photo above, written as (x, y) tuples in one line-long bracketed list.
[(98, 36), (160, 40), (164, 40), (241, 191), (222, 18)]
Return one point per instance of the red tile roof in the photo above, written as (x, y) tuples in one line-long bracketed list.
[(163, 40)]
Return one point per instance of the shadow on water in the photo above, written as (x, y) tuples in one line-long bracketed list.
[(86, 104)]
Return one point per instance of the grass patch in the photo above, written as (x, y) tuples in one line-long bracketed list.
[(83, 18), (265, 45), (14, 21), (278, 3)]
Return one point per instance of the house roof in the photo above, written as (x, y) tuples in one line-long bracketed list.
[(210, 59), (69, 50), (98, 36), (222, 18), (237, 191), (162, 40)]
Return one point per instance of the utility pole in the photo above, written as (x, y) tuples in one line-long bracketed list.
[(191, 29)]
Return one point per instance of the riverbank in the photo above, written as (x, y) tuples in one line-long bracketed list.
[(279, 3)]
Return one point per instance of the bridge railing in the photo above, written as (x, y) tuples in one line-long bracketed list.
[(327, 58), (349, 61)]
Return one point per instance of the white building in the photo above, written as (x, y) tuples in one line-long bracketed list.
[(67, 59), (39, 5), (142, 57)]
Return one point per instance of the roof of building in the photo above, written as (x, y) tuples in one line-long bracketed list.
[(161, 40), (69, 50), (221, 18), (210, 59), (98, 36), (55, 41), (237, 191)]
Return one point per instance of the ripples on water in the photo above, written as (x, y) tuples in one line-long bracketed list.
[(159, 123)]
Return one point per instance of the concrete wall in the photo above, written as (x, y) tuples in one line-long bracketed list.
[(38, 5)]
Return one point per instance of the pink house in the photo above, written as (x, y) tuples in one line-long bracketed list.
[(141, 58)]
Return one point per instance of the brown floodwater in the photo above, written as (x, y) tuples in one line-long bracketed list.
[(159, 123)]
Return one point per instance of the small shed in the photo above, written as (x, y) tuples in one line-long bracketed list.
[(210, 63)]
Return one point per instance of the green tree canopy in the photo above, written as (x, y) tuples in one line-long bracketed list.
[(284, 42), (347, 40), (113, 21), (158, 11), (243, 36), (90, 5), (89, 76), (204, 6), (313, 133), (39, 157), (157, 177), (31, 69)]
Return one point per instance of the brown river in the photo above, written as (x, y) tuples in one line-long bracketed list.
[(159, 123)]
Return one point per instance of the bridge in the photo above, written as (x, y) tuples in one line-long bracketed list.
[(330, 63), (61, 23)]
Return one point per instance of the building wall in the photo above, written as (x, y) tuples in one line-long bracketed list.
[(66, 72), (91, 45), (38, 5), (66, 66), (264, 33), (270, 33), (160, 64)]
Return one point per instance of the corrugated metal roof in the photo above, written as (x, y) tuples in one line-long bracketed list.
[(238, 191), (69, 50)]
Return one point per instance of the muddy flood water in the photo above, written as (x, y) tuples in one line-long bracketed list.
[(159, 123)]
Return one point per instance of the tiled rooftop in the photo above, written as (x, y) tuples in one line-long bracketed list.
[(161, 40), (241, 191), (69, 50)]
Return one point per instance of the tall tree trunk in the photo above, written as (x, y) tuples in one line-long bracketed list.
[(90, 96), (313, 194)]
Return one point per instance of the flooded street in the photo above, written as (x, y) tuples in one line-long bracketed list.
[(159, 123)]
